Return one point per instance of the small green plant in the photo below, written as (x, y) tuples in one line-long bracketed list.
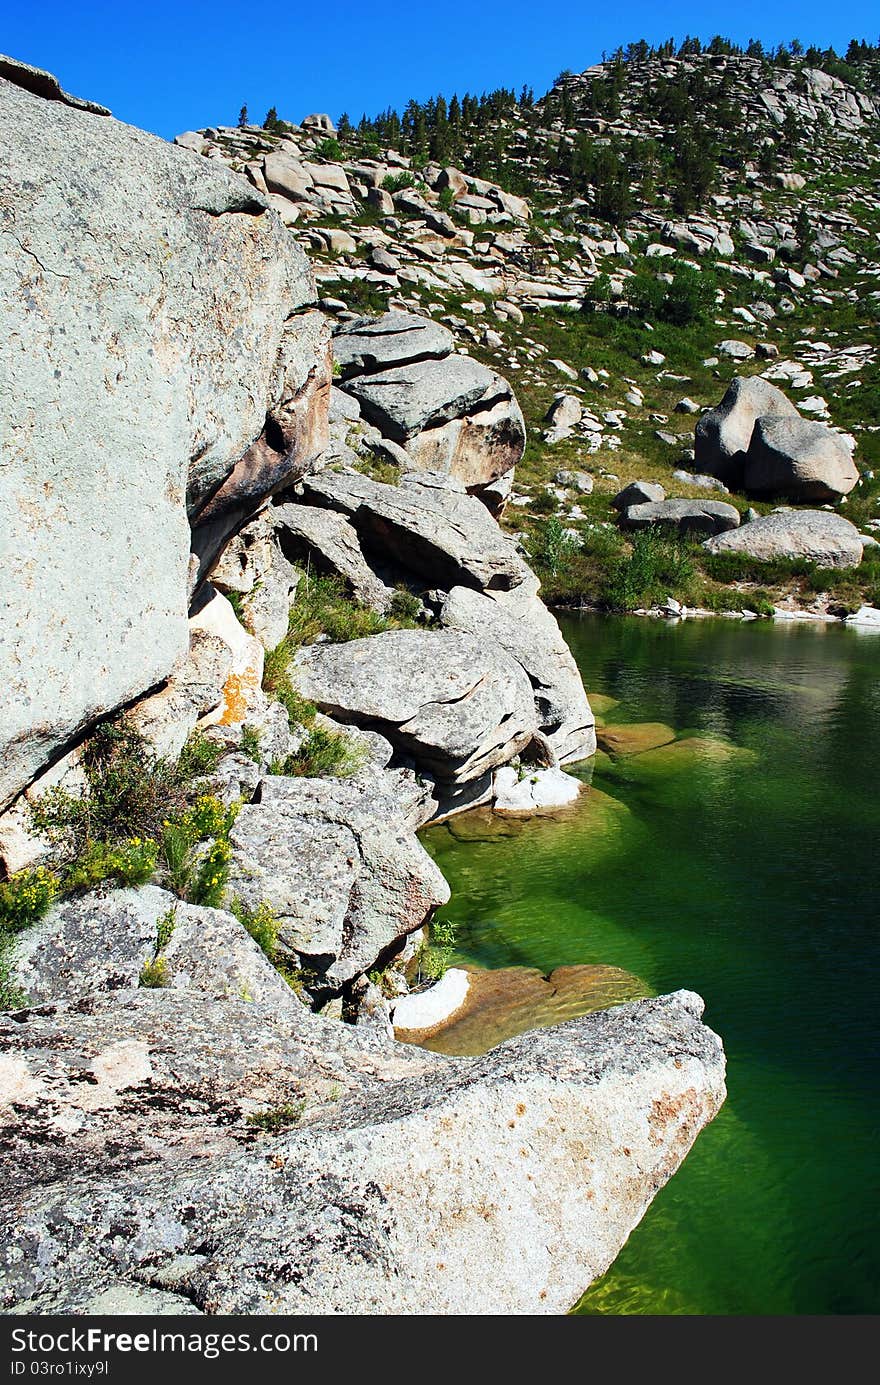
[(154, 974), (324, 754), (278, 1118), (130, 862), (405, 605), (208, 887), (435, 956), (446, 199), (553, 545), (236, 601), (199, 756), (25, 897), (330, 149), (262, 923), (12, 997), (165, 927), (251, 744)]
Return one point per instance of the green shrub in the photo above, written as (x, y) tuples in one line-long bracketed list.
[(251, 744), (199, 756), (544, 503), (208, 887), (658, 566), (435, 956), (278, 1118), (130, 862), (206, 819), (25, 897), (446, 199), (154, 974), (552, 545), (262, 923), (405, 605), (330, 149), (324, 754), (396, 182)]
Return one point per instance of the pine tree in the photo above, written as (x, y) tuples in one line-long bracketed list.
[(242, 117)]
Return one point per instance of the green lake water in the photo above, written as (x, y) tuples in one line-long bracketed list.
[(753, 879)]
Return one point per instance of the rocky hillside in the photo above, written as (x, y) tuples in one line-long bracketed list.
[(617, 250), (259, 629)]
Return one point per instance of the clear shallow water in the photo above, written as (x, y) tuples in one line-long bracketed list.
[(753, 879)]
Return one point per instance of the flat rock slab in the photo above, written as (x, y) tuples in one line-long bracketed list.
[(371, 344), (390, 1180), (460, 706), (823, 537), (634, 738), (342, 869), (687, 516), (446, 537)]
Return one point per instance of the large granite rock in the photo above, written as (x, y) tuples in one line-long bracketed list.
[(825, 538), (520, 622), (722, 435), (686, 516), (147, 294), (390, 1180), (341, 867), (445, 537), (458, 704), (799, 459)]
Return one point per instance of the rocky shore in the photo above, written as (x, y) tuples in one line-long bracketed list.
[(262, 604)]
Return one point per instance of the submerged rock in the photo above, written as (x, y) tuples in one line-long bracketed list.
[(497, 1005), (634, 738), (254, 1158)]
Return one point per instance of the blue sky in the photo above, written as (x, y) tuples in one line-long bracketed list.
[(170, 67)]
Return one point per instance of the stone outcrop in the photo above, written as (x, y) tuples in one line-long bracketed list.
[(722, 435), (450, 413), (391, 1169), (151, 303), (521, 624), (825, 538), (102, 943), (444, 536), (800, 459)]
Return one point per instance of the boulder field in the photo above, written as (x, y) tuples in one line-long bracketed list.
[(189, 1125)]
